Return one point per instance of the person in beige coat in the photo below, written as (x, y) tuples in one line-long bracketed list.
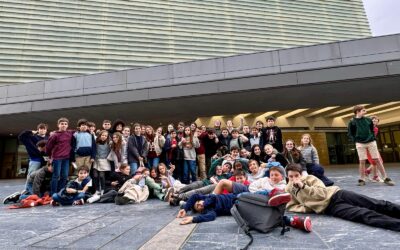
[(309, 194)]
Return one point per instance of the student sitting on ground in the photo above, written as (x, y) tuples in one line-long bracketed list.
[(273, 186), (113, 184), (212, 205), (75, 191), (206, 186), (309, 194)]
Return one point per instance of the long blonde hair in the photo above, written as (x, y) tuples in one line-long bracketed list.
[(309, 137)]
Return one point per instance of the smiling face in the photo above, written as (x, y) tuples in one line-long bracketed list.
[(240, 179), (63, 126), (225, 133), (268, 149), (253, 167), (126, 131), (104, 136), (218, 170), (257, 150), (42, 131), (153, 173), (82, 174), (289, 145), (270, 123), (170, 128), (126, 170), (161, 169), (275, 176)]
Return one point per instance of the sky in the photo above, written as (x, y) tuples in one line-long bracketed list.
[(383, 16)]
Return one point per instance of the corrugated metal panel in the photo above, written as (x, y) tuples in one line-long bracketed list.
[(57, 38)]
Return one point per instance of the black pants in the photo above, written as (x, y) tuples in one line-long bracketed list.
[(363, 209)]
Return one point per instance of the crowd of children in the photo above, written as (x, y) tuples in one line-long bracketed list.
[(202, 169)]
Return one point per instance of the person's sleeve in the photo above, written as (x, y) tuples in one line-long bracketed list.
[(210, 215), (94, 148), (315, 156), (25, 136), (255, 186), (50, 145), (303, 163), (351, 130), (294, 206), (37, 182), (145, 148), (315, 189), (161, 141), (196, 142), (214, 164)]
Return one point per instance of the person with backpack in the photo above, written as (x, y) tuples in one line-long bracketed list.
[(309, 194)]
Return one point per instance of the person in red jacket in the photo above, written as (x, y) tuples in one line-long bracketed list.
[(59, 148)]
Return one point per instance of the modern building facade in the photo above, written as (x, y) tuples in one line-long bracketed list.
[(311, 89), (48, 39)]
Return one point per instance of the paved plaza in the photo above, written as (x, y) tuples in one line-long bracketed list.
[(152, 225)]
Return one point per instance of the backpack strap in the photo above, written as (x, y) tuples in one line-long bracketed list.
[(284, 228), (250, 242)]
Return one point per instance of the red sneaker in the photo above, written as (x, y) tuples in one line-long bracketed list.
[(303, 223), (278, 197)]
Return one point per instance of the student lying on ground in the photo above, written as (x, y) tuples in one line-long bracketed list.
[(211, 206), (309, 194)]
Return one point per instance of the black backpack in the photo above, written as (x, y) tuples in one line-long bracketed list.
[(252, 212)]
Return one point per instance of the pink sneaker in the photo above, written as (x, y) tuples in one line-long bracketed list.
[(278, 197)]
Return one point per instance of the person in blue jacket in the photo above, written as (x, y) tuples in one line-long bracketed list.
[(208, 206)]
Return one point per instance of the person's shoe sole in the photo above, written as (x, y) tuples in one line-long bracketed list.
[(307, 224), (279, 199), (361, 183), (10, 198)]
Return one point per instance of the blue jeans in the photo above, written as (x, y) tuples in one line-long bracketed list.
[(189, 166), (32, 167), (134, 167), (68, 201), (152, 162), (60, 175)]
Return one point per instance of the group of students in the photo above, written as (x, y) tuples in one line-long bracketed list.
[(115, 165)]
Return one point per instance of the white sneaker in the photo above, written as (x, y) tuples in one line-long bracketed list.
[(94, 198)]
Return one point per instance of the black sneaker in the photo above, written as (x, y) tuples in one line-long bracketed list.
[(361, 182), (12, 198), (122, 200), (388, 181)]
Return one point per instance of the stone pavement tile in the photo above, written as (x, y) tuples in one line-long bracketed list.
[(170, 237)]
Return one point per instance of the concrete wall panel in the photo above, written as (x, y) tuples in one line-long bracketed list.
[(258, 82), (183, 90), (393, 68), (118, 97), (253, 72), (105, 89), (251, 61), (15, 108), (342, 73), (25, 89), (60, 103), (372, 58), (105, 79), (149, 74), (65, 84), (369, 46), (309, 54), (199, 78), (150, 84), (311, 65), (196, 68)]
